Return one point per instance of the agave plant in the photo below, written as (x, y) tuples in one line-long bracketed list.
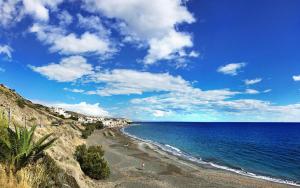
[(17, 148)]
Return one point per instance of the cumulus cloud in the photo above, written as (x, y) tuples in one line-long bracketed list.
[(152, 23), (168, 47), (83, 108), (40, 9), (126, 81), (65, 18), (251, 91), (254, 81), (6, 50), (70, 43), (93, 23), (13, 11), (67, 70), (74, 90), (160, 113), (10, 12), (227, 108), (296, 78), (231, 69)]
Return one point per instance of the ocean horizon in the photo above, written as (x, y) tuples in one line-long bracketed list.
[(264, 150)]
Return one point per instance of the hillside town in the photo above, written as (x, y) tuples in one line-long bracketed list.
[(107, 121)]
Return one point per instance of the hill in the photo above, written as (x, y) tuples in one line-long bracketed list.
[(26, 113)]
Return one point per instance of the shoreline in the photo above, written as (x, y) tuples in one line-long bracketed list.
[(126, 154), (195, 161)]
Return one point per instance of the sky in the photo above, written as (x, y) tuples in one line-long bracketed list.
[(158, 60)]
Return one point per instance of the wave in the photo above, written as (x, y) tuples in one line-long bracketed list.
[(177, 152)]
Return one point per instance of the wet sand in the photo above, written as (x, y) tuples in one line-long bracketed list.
[(126, 155)]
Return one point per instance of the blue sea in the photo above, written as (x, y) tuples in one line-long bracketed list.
[(268, 151)]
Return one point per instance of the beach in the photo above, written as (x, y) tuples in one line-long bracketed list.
[(126, 157)]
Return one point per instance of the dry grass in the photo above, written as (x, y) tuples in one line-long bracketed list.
[(29, 177)]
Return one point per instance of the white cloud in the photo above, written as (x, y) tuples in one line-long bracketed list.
[(67, 70), (251, 91), (193, 54), (93, 23), (2, 69), (88, 42), (83, 108), (70, 43), (10, 12), (74, 90), (296, 78), (267, 91), (39, 9), (224, 109), (254, 81), (6, 50), (231, 69), (65, 18), (168, 47), (160, 113), (152, 23), (125, 81)]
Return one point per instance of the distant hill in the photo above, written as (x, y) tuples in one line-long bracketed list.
[(21, 108)]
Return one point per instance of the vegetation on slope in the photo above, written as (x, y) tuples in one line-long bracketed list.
[(92, 162), (90, 127), (19, 154), (17, 148)]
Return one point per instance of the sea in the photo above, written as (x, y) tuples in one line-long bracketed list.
[(269, 151)]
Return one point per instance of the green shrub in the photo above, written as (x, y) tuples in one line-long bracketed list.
[(61, 116), (90, 127), (56, 177), (87, 132), (99, 125), (92, 162), (17, 148), (75, 118), (21, 103)]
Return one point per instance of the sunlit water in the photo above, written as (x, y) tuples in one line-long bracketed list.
[(263, 150)]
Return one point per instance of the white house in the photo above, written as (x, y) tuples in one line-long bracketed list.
[(61, 111)]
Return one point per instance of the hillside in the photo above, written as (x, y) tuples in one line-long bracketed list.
[(68, 135)]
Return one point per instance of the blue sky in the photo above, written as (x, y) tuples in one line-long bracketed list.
[(171, 60)]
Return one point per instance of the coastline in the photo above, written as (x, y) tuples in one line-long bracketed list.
[(125, 155), (170, 150)]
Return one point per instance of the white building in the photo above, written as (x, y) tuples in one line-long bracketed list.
[(60, 111), (89, 119)]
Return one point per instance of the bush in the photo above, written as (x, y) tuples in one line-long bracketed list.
[(56, 177), (75, 118), (61, 116), (90, 127), (21, 103), (57, 122), (18, 149), (87, 131), (92, 162), (99, 125)]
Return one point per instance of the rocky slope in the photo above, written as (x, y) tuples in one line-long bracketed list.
[(68, 134)]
